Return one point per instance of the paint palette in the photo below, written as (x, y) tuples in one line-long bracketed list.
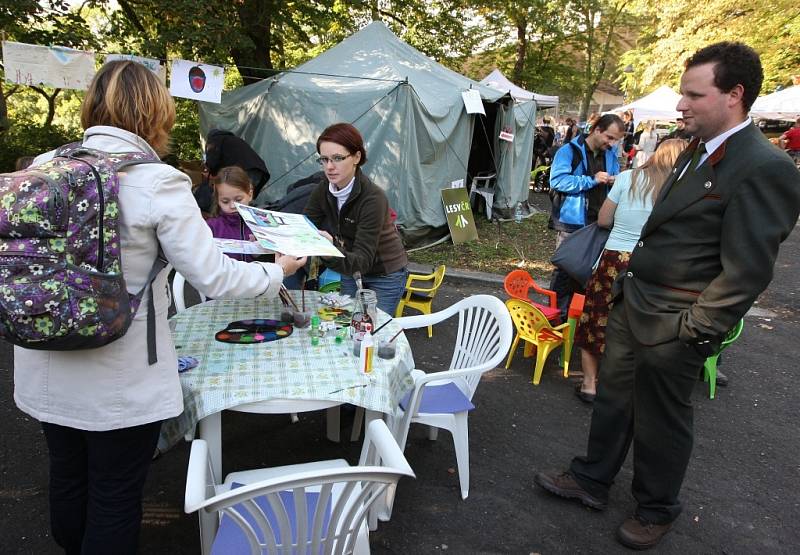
[(258, 330)]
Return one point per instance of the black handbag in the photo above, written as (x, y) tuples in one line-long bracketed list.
[(578, 252)]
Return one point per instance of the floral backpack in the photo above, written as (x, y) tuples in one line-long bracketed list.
[(61, 282)]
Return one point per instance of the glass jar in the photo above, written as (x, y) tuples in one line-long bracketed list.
[(365, 311)]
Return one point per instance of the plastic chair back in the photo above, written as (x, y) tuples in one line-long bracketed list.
[(311, 511), (178, 287), (518, 284)]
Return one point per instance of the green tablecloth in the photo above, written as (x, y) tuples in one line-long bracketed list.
[(290, 368)]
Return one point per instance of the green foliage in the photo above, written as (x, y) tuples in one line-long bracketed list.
[(674, 29), (185, 135), (30, 140)]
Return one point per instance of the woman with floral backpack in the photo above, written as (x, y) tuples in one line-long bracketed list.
[(101, 409)]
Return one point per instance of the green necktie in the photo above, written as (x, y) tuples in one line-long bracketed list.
[(698, 153)]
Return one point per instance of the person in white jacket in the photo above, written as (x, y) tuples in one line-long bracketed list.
[(101, 409), (646, 146)]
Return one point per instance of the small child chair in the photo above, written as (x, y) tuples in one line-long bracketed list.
[(421, 298), (533, 327), (518, 283), (710, 366)]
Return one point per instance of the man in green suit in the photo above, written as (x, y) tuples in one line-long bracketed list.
[(705, 254)]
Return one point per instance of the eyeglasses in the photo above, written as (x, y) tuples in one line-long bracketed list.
[(336, 159)]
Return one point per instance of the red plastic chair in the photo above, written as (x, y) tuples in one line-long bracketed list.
[(519, 282)]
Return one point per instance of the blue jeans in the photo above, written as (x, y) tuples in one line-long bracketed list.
[(388, 288)]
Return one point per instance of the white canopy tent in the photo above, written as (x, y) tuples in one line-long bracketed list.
[(784, 104), (658, 105), (499, 82)]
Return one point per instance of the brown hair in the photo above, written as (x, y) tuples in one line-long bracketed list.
[(650, 176), (346, 135), (234, 176), (127, 95)]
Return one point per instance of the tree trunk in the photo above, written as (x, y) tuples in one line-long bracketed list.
[(255, 17), (375, 12), (522, 49), (51, 104), (4, 123)]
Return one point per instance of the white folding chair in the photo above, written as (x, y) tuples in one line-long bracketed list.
[(324, 506), (178, 285), (483, 184), (444, 399)]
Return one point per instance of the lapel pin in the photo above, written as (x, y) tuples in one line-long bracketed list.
[(707, 184)]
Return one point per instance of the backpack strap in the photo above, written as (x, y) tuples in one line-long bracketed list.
[(159, 264)]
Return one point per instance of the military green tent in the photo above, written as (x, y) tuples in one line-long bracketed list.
[(409, 109)]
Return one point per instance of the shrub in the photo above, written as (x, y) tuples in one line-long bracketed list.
[(29, 139)]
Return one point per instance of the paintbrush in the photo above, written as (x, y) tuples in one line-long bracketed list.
[(289, 297), (395, 335), (381, 326)]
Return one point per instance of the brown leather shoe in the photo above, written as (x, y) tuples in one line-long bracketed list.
[(564, 485), (638, 533)]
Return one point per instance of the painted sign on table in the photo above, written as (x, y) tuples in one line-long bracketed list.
[(49, 66)]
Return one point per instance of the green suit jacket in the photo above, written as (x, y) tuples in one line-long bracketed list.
[(708, 249)]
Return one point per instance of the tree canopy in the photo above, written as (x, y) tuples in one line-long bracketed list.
[(564, 47)]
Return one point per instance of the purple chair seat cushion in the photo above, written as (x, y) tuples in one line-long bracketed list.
[(230, 539), (443, 399)]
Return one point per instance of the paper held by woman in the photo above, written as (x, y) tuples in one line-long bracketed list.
[(286, 233)]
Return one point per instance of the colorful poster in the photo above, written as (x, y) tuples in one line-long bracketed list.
[(56, 66), (150, 63), (286, 233), (196, 81)]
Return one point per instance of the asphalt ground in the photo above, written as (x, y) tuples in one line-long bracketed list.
[(740, 494)]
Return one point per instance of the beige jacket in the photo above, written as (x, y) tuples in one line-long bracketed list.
[(113, 386)]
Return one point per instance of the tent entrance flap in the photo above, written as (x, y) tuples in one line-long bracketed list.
[(482, 153)]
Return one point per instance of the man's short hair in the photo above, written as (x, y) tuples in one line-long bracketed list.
[(606, 121), (735, 63), (546, 120)]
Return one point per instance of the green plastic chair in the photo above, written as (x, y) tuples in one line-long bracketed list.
[(332, 287), (710, 366)]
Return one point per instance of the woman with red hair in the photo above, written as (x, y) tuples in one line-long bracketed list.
[(354, 215)]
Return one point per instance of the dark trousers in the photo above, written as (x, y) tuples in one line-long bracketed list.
[(96, 484), (564, 287), (644, 397)]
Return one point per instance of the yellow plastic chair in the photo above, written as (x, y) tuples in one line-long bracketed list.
[(533, 328), (421, 298), (710, 366)]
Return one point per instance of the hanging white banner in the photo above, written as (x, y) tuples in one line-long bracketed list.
[(150, 63), (196, 81), (55, 66)]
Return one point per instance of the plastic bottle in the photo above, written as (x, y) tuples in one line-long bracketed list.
[(518, 211), (316, 333), (367, 348)]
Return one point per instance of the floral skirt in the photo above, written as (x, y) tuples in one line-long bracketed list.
[(591, 332)]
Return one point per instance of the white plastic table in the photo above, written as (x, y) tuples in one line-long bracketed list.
[(283, 376)]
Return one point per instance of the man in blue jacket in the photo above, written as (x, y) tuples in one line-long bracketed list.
[(582, 173)]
